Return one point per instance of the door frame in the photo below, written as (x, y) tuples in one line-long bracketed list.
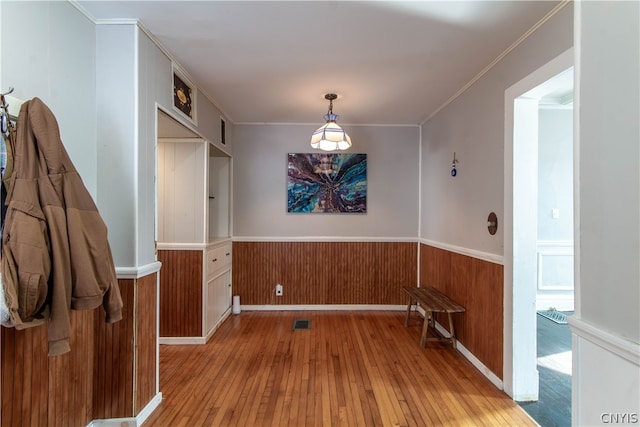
[(519, 368)]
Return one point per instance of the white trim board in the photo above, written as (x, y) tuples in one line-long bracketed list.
[(473, 359), (182, 340), (195, 340), (485, 256), (132, 421), (138, 272), (615, 344), (519, 373), (495, 380), (324, 307), (322, 239)]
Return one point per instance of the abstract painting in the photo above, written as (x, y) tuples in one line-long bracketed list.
[(327, 182)]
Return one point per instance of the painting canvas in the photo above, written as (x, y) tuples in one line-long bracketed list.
[(327, 183)]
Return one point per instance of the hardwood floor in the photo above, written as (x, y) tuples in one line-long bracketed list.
[(350, 368)]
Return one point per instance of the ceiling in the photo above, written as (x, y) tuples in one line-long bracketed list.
[(390, 62)]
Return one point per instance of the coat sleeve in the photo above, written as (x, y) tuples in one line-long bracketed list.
[(60, 298), (112, 301)]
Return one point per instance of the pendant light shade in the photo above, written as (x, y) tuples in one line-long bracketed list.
[(330, 136)]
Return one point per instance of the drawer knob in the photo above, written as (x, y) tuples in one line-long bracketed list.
[(227, 254), (214, 260)]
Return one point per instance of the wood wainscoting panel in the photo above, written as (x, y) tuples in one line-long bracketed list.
[(477, 285), (146, 341), (113, 384), (323, 273), (25, 380), (180, 293), (95, 380), (42, 390)]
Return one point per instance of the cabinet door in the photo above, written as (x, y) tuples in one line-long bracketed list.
[(223, 292), (218, 299), (210, 308)]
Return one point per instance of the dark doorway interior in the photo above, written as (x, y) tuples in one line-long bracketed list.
[(553, 408)]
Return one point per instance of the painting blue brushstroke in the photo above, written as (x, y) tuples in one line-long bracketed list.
[(327, 182)]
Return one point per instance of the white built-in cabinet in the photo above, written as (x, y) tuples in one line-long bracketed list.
[(218, 289), (194, 243)]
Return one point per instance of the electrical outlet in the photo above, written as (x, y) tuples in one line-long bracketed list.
[(278, 290)]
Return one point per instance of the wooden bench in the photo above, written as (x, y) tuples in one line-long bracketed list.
[(432, 301)]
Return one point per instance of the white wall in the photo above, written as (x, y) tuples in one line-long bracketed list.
[(455, 210), (609, 178), (134, 79), (117, 140), (56, 63), (260, 184), (155, 87), (607, 319), (555, 173), (555, 192)]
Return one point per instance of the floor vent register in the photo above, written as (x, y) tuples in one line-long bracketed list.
[(301, 325), (554, 315)]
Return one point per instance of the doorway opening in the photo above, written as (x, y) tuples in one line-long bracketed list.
[(538, 261)]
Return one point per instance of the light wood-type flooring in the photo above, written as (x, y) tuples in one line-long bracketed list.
[(355, 368)]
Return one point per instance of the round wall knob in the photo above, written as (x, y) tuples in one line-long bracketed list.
[(492, 223)]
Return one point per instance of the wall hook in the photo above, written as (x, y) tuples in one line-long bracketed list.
[(454, 172), (4, 113)]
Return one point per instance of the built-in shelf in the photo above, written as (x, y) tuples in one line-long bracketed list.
[(193, 229)]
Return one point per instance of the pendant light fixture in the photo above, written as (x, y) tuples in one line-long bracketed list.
[(330, 136)]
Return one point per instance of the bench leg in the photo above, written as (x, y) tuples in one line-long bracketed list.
[(425, 327), (406, 320), (453, 334)]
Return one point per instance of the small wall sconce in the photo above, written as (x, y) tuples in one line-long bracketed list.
[(492, 223), (454, 172)]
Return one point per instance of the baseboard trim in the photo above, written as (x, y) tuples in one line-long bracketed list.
[(195, 340), (132, 421), (148, 409), (495, 380), (182, 340), (473, 359), (324, 307), (338, 239), (114, 422), (217, 325), (615, 344)]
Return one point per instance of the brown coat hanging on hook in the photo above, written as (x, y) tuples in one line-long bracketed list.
[(55, 251)]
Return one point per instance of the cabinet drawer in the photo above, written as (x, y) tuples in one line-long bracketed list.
[(225, 255), (213, 261), (218, 259)]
